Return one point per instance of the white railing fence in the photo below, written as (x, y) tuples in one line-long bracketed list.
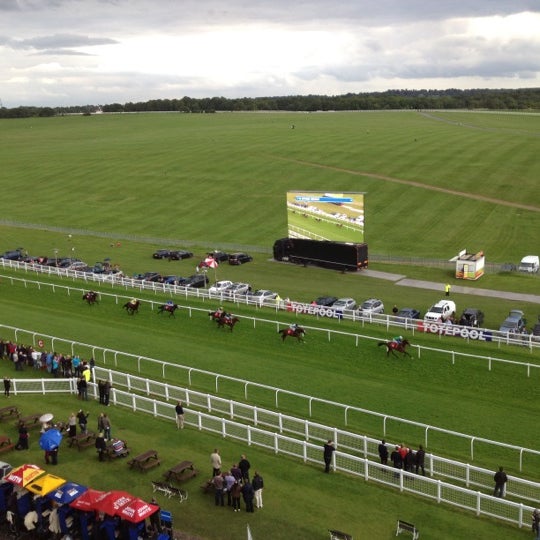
[(409, 429), (474, 501), (388, 321), (367, 447)]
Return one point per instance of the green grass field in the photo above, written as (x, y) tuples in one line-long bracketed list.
[(219, 181)]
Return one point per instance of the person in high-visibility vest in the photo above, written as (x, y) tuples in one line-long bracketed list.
[(447, 289)]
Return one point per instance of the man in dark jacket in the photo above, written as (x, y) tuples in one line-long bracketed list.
[(419, 460), (500, 481), (383, 452), (244, 466), (397, 460), (248, 494), (328, 450)]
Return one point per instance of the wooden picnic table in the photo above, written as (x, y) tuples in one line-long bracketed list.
[(9, 411), (145, 461), (181, 472), (112, 452), (30, 420), (83, 440), (5, 443)]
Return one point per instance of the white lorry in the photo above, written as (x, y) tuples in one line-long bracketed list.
[(530, 264)]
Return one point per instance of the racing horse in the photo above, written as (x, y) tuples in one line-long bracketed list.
[(227, 320), (169, 308), (132, 306), (215, 315), (394, 346), (91, 297), (297, 332)]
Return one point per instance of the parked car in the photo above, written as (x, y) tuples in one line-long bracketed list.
[(174, 280), (196, 280), (179, 254), (371, 306), (219, 287), (472, 317), (172, 255), (219, 256), (536, 329), (441, 311), (78, 265), (407, 313), (13, 255), (67, 262), (239, 258), (325, 301), (343, 304), (515, 323), (262, 295), (146, 276), (237, 289), (161, 254)]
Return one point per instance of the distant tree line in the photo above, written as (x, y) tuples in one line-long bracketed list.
[(512, 100)]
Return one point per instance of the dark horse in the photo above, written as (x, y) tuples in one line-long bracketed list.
[(227, 320), (297, 332), (91, 297), (132, 306), (394, 346), (169, 308)]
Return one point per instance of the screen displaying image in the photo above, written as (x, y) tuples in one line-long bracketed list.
[(326, 216)]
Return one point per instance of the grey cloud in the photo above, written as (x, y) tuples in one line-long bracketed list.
[(59, 41)]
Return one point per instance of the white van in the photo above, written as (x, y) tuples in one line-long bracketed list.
[(530, 264)]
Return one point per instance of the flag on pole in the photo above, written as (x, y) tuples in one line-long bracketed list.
[(211, 262), (249, 537)]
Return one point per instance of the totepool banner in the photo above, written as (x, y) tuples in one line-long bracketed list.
[(455, 331)]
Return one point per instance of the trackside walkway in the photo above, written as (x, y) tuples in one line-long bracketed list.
[(402, 280)]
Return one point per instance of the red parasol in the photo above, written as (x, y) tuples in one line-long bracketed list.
[(88, 500), (137, 510), (24, 474), (112, 503)]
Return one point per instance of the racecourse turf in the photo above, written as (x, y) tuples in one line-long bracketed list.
[(128, 184)]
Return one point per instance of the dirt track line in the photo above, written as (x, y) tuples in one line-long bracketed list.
[(416, 184)]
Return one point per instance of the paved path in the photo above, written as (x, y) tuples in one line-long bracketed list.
[(399, 279)]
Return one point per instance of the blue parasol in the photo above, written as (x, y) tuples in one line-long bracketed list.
[(50, 440), (67, 493)]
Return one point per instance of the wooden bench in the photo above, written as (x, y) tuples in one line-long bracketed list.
[(145, 461), (208, 487), (338, 535), (7, 412), (6, 444), (30, 421), (181, 472), (407, 527), (83, 440), (169, 491)]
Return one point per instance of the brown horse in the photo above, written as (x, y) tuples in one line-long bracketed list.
[(394, 346), (132, 306), (169, 308), (227, 320), (297, 332), (91, 297)]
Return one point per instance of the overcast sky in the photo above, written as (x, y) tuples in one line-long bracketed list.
[(77, 52)]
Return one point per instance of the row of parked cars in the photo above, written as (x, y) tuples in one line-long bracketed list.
[(218, 256)]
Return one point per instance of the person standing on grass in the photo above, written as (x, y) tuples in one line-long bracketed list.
[(383, 452), (258, 485), (419, 459), (215, 460), (179, 409), (328, 450), (500, 483), (7, 386), (447, 288), (244, 466)]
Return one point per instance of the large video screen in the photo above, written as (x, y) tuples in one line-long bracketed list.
[(338, 217)]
